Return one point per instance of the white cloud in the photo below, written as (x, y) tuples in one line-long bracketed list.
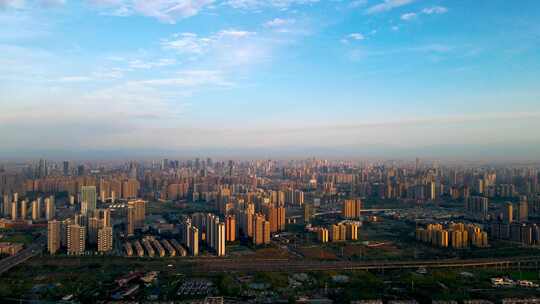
[(12, 4), (226, 48), (357, 3), (435, 10), (170, 11), (278, 22), (352, 36), (106, 2), (187, 43), (190, 43), (192, 78), (52, 3), (257, 4), (140, 64), (234, 34), (387, 5), (408, 16), (356, 36), (22, 4), (75, 79)]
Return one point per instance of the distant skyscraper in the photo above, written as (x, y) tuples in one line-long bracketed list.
[(14, 211), (50, 209), (508, 214), (261, 230), (6, 208), (65, 168), (308, 212), (24, 209), (36, 212), (220, 239), (42, 168), (80, 170), (523, 209), (193, 234), (89, 195), (230, 229)]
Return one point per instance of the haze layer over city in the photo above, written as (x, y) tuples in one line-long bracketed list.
[(269, 151)]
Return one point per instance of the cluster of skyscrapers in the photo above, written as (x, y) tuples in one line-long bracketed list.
[(455, 235)]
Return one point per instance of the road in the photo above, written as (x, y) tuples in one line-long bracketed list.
[(217, 265), (30, 251), (303, 265)]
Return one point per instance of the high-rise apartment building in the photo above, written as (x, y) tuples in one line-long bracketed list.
[(136, 214), (54, 236), (219, 245), (76, 239), (230, 228), (352, 208), (523, 210), (193, 234), (24, 209), (14, 211), (36, 212), (94, 225), (508, 214), (308, 212), (50, 208), (276, 217), (88, 195), (261, 230), (322, 235), (65, 168), (105, 239), (352, 231)]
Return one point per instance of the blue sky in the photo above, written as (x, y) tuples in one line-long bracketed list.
[(255, 74)]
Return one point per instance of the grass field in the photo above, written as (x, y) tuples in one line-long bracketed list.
[(17, 238), (317, 253)]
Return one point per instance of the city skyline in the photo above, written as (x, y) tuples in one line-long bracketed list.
[(373, 78)]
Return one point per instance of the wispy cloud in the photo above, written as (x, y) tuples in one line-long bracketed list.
[(357, 3), (167, 11), (408, 16), (24, 4), (435, 10), (227, 47), (140, 64), (191, 43), (387, 5), (258, 4), (279, 23), (354, 37), (191, 78), (75, 79), (51, 3), (170, 11)]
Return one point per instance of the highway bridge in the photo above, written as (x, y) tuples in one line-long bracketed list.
[(22, 256)]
